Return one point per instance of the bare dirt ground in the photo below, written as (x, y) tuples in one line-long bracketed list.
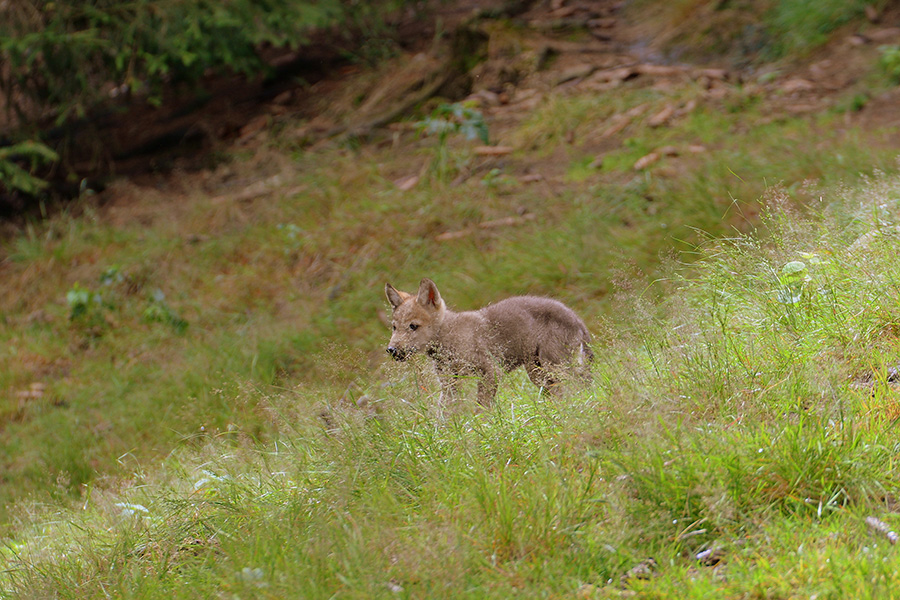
[(318, 97)]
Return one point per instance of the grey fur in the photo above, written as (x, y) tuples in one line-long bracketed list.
[(541, 334)]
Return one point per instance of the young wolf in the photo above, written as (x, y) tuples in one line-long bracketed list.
[(543, 335)]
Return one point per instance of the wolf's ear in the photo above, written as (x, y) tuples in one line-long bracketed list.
[(428, 295), (395, 296)]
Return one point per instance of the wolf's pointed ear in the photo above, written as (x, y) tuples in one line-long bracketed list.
[(428, 295), (395, 296)]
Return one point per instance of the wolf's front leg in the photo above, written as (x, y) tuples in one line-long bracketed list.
[(449, 391), (448, 394), (487, 386)]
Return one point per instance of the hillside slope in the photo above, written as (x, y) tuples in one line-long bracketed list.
[(195, 396)]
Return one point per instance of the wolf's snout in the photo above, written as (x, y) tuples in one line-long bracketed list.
[(396, 353)]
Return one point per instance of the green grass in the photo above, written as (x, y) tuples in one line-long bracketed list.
[(748, 413), (190, 420), (799, 25)]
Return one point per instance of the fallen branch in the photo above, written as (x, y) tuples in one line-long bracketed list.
[(494, 224), (362, 130), (492, 150), (879, 526), (621, 121), (662, 117), (258, 189)]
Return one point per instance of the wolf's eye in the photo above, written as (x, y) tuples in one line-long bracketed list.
[(413, 326), (394, 327)]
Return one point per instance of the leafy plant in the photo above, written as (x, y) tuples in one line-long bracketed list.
[(65, 57), (86, 309), (14, 177), (458, 117), (793, 277), (292, 237), (451, 119), (496, 179), (890, 61), (160, 312)]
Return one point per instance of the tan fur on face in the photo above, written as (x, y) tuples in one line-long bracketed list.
[(543, 335), (416, 319)]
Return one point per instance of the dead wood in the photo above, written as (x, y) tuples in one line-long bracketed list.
[(493, 224), (878, 526)]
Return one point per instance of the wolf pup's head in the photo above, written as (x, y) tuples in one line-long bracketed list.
[(416, 319)]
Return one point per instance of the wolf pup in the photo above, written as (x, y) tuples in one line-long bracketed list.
[(543, 335)]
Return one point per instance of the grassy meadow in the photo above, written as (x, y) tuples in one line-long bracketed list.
[(196, 401)]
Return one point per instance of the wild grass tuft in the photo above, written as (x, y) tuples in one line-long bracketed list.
[(739, 425)]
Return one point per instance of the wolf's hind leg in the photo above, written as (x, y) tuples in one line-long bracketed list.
[(541, 377)]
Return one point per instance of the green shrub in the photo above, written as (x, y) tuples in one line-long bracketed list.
[(13, 177), (798, 25), (890, 62), (447, 119), (65, 57)]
